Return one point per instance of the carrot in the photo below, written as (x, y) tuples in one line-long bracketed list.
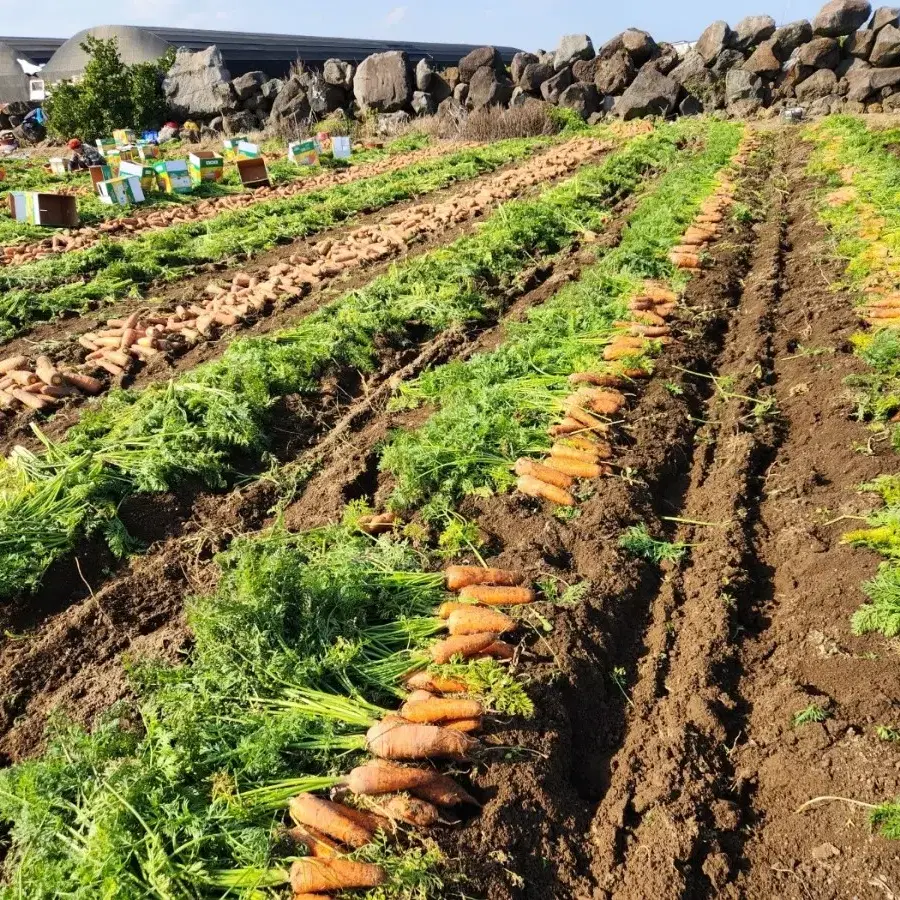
[(330, 818), (561, 451), (498, 596), (542, 473), (311, 876), (659, 293), (84, 382), (419, 695), (380, 524), (112, 368), (11, 363), (650, 331), (465, 726), (567, 426), (465, 645), (46, 371), (599, 379), (436, 684), (382, 777), (499, 650), (617, 351), (317, 844), (445, 609), (635, 373), (392, 738), (462, 576), (438, 709), (32, 401), (365, 819), (412, 811), (685, 260), (48, 390), (607, 403), (587, 419), (575, 468), (586, 442), (22, 377), (305, 896), (532, 487), (478, 620)]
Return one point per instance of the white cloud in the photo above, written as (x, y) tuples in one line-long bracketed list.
[(396, 15)]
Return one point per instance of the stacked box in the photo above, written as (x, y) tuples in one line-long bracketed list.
[(57, 165), (147, 151), (304, 153), (253, 172), (246, 150), (141, 171), (341, 147), (172, 176), (50, 210), (124, 137), (100, 173), (231, 147), (121, 191), (204, 165), (104, 145)]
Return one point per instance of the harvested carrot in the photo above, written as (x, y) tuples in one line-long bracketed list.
[(331, 819), (567, 426), (46, 371), (465, 726), (543, 473), (489, 595), (380, 524), (306, 896), (445, 609), (575, 467), (393, 738), (660, 293), (464, 645), (382, 777), (312, 876), (436, 684), (599, 379), (478, 620), (561, 451), (586, 418), (533, 487), (11, 363), (418, 696), (439, 709), (500, 650), (84, 382), (606, 403), (685, 260), (366, 819), (412, 811), (32, 401), (22, 377), (603, 449), (317, 844), (462, 576)]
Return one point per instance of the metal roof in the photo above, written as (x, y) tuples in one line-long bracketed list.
[(243, 52)]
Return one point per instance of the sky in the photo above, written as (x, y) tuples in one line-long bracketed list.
[(528, 24)]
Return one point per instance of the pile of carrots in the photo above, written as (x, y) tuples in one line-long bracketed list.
[(40, 386), (435, 722)]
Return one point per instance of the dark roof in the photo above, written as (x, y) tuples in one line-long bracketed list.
[(246, 51)]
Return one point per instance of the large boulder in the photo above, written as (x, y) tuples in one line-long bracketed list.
[(440, 88), (389, 124), (424, 74), (841, 17), (853, 64), (383, 82), (886, 49), (198, 85), (240, 122), (487, 88), (613, 75), (461, 93), (706, 88), (585, 70), (651, 94), (553, 87), (860, 44), (666, 58), (571, 48), (519, 62), (692, 64), (291, 104), (639, 45), (478, 59), (789, 37), (271, 89), (451, 76), (519, 98), (820, 53), (884, 15), (245, 86), (324, 98), (423, 103), (725, 61), (713, 41), (583, 98), (751, 31), (534, 75), (763, 61), (822, 83), (338, 73), (742, 85)]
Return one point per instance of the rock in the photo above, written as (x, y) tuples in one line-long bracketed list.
[(651, 94), (323, 98), (553, 87), (424, 74), (271, 89), (884, 15), (853, 64), (615, 74), (259, 105), (245, 86), (338, 73), (581, 97), (388, 124), (451, 76), (478, 59), (726, 61), (586, 69), (860, 44), (534, 75), (891, 103), (886, 49), (423, 103), (741, 85), (743, 109), (789, 37), (824, 851), (639, 45), (820, 53), (666, 58), (822, 83), (240, 122), (461, 93), (519, 97), (440, 88), (763, 61), (217, 124), (451, 110), (713, 41), (874, 108), (519, 62), (571, 48), (751, 31), (488, 89), (199, 85), (690, 106), (383, 82), (841, 17), (692, 64), (291, 102), (708, 89)]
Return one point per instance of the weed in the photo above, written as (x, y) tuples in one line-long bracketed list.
[(813, 713), (638, 541), (620, 678), (885, 733)]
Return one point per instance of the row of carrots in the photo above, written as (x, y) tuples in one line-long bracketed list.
[(436, 722)]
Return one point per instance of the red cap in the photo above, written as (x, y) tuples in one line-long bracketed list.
[(74, 144)]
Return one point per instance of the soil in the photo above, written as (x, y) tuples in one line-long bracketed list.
[(662, 761)]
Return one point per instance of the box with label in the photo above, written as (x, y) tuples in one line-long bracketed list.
[(142, 171), (124, 137), (57, 165), (204, 165), (147, 151), (121, 191), (231, 147), (248, 150), (304, 153), (104, 145), (253, 172), (50, 210), (100, 173), (341, 147), (172, 176)]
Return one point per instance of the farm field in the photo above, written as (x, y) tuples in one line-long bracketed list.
[(517, 520)]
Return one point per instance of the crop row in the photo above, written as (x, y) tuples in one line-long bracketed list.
[(307, 642), (114, 270)]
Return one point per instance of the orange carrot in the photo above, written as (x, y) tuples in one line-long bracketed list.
[(533, 487), (46, 371), (392, 738), (418, 696), (382, 777), (439, 709), (561, 451), (11, 363), (659, 293), (575, 468), (607, 403), (436, 684), (617, 351), (465, 726), (567, 426), (84, 382), (499, 650), (305, 896), (478, 620), (330, 818), (498, 596), (603, 449), (316, 843), (445, 609), (412, 811), (462, 576), (599, 379), (464, 645), (542, 473), (683, 260), (587, 419), (312, 876)]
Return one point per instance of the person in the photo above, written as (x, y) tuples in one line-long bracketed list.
[(83, 157)]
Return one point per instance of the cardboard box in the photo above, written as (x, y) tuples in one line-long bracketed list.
[(100, 173), (49, 210), (104, 145), (121, 191), (341, 148), (147, 151), (304, 153), (231, 147), (172, 176), (57, 165), (246, 150), (253, 172), (204, 165), (124, 137), (141, 171)]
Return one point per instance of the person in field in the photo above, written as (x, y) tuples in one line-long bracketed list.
[(83, 156)]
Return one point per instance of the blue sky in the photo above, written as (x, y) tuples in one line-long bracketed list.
[(524, 23)]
